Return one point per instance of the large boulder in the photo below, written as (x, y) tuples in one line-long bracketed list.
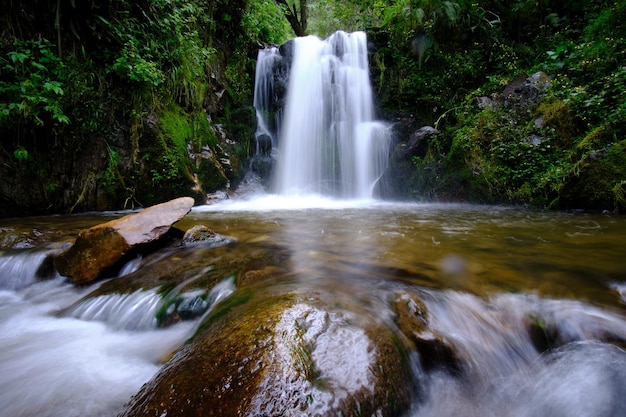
[(281, 354), (102, 246)]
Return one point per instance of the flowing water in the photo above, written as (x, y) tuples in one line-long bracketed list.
[(481, 271), (531, 304), (329, 140)]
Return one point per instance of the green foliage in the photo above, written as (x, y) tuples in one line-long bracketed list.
[(328, 16), (174, 135), (265, 23), (111, 173), (130, 65), (32, 85), (21, 154), (238, 77), (123, 60)]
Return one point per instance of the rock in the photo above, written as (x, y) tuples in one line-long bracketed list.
[(524, 90), (262, 166), (216, 197), (101, 246), (417, 145), (281, 354), (485, 102), (515, 84), (533, 140), (202, 235), (198, 233), (264, 145), (395, 180), (540, 79), (412, 320)]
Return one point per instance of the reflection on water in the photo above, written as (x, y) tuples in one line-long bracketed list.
[(483, 273), (472, 248)]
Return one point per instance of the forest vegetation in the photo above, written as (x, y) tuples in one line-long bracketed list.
[(118, 104)]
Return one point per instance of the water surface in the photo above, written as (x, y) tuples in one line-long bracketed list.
[(481, 270)]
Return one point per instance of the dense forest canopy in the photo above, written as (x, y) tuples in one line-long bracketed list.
[(108, 104)]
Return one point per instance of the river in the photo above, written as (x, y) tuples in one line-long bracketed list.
[(482, 272)]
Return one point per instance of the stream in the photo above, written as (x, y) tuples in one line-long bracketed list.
[(483, 273)]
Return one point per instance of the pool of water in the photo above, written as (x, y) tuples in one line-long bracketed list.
[(479, 267)]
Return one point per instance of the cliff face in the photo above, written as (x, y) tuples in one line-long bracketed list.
[(120, 105)]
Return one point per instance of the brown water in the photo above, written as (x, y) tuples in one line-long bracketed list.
[(479, 249), (481, 271)]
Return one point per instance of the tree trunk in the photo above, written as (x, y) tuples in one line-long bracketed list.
[(298, 21)]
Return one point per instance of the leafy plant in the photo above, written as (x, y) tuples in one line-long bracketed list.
[(21, 154), (32, 85), (265, 23), (132, 66)]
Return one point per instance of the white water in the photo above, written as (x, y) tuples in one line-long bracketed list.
[(329, 143), (84, 361), (62, 355), (273, 202), (19, 269), (504, 373), (263, 91)]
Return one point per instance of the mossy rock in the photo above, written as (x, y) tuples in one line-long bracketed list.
[(598, 138), (199, 266), (597, 182), (265, 352), (556, 115)]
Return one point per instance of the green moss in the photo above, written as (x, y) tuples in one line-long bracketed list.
[(598, 138), (597, 180), (202, 131), (176, 129), (558, 118), (240, 297)]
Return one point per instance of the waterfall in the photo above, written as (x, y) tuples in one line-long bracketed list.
[(263, 103), (328, 140)]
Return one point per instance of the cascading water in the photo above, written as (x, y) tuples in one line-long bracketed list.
[(263, 90), (490, 311), (64, 353), (329, 142)]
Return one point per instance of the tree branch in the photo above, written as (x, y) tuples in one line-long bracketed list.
[(291, 14)]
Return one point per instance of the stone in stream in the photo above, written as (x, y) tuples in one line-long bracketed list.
[(268, 354), (101, 246), (435, 353)]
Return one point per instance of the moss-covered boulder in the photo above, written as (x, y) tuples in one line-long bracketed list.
[(267, 353), (598, 181)]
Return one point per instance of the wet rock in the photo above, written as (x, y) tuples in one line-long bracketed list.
[(198, 233), (102, 246), (264, 145), (190, 308), (410, 144), (567, 322), (281, 354), (418, 141), (262, 166), (435, 352), (411, 315), (202, 235), (217, 197)]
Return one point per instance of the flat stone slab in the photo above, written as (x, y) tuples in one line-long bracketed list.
[(103, 245)]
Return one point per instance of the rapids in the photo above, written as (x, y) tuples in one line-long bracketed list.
[(485, 274), (465, 310)]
